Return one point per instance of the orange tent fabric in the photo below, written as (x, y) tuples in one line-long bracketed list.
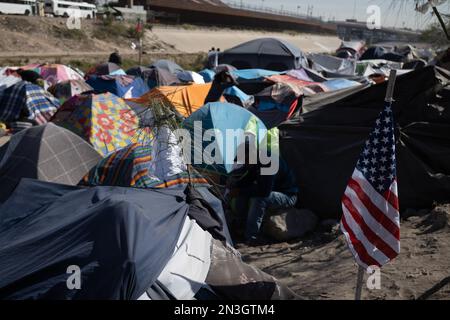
[(184, 99)]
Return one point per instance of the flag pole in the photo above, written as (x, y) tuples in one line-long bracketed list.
[(388, 98), (391, 85), (359, 283)]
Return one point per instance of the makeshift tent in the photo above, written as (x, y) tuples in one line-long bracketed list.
[(323, 144), (132, 167), (52, 73), (104, 69), (25, 100), (104, 120), (329, 65), (7, 81), (350, 49), (120, 238), (237, 96), (190, 77), (154, 77), (220, 117), (276, 103), (167, 65), (67, 89), (208, 75), (184, 99), (252, 74), (123, 86), (308, 87), (48, 153), (378, 52), (265, 53)]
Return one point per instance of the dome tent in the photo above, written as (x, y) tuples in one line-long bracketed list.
[(265, 53)]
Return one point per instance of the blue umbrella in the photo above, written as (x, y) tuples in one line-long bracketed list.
[(221, 150)]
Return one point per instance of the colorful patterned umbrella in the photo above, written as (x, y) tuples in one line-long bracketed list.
[(104, 120), (67, 89), (131, 167)]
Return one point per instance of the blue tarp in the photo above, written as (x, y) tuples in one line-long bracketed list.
[(120, 238), (234, 91), (253, 74), (122, 86), (338, 84), (208, 75)]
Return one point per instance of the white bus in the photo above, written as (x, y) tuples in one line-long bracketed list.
[(59, 8), (26, 7)]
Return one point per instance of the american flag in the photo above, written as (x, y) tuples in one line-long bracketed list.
[(371, 219)]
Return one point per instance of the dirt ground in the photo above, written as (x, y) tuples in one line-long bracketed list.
[(44, 38), (322, 267), (201, 39)]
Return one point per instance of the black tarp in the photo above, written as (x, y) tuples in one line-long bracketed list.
[(121, 238), (322, 145), (265, 53)]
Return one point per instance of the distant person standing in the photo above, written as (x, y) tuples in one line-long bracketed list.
[(211, 58), (115, 58)]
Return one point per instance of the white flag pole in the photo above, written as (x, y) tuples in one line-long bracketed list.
[(389, 98)]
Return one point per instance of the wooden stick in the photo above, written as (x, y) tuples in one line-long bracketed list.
[(391, 86), (441, 21), (434, 289), (359, 283)]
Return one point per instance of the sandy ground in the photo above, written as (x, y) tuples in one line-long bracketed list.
[(203, 39), (321, 266)]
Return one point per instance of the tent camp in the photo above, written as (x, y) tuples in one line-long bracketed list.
[(265, 53), (277, 103), (167, 65), (328, 136), (121, 238), (220, 117), (52, 73), (25, 100), (48, 153), (123, 86), (154, 77), (105, 69), (104, 120), (184, 99), (67, 89), (132, 167)]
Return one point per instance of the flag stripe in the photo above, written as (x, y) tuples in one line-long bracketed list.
[(373, 251), (376, 213), (368, 232), (391, 196), (377, 199), (370, 221), (363, 255)]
